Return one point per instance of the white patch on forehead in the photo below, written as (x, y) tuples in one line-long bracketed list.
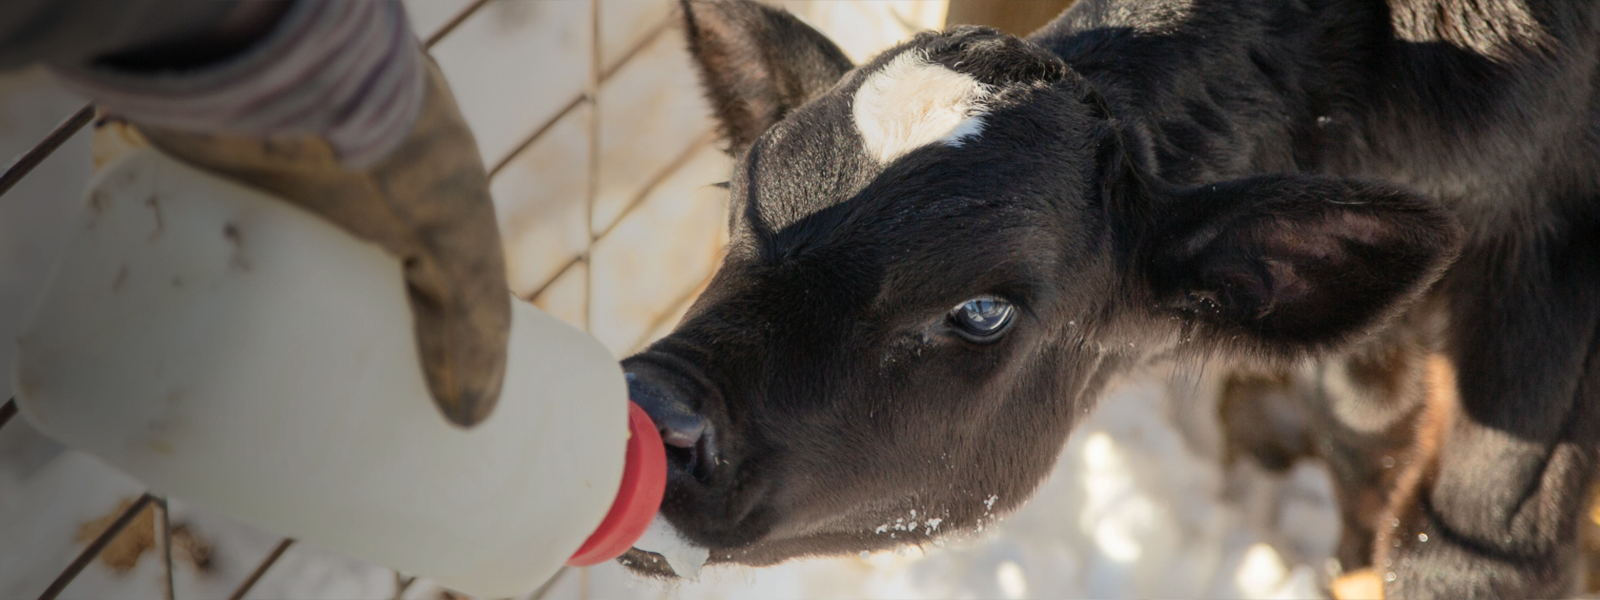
[(911, 103)]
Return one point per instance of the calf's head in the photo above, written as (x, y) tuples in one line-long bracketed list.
[(938, 259)]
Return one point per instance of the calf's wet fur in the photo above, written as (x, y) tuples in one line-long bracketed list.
[(940, 257)]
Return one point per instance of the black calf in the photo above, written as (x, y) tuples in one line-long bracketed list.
[(940, 257)]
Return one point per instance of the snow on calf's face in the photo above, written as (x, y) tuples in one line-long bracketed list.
[(682, 557), (911, 103)]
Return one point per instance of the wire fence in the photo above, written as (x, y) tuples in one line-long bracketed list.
[(86, 115)]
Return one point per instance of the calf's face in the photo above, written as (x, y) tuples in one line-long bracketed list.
[(938, 258)]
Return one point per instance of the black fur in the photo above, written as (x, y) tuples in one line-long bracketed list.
[(756, 64), (1154, 180)]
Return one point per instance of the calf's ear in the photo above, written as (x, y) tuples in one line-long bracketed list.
[(756, 64), (1290, 263)]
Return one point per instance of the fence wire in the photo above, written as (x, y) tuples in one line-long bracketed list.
[(75, 123)]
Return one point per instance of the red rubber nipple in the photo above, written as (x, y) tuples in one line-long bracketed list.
[(644, 480)]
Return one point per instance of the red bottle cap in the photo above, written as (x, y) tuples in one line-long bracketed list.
[(644, 480)]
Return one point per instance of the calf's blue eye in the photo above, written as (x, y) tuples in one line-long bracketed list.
[(982, 319)]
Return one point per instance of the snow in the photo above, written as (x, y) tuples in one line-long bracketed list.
[(661, 538), (1139, 505)]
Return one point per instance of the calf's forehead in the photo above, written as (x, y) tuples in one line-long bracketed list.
[(830, 149), (909, 102)]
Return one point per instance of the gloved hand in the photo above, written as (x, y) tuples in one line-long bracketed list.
[(339, 111), (428, 204)]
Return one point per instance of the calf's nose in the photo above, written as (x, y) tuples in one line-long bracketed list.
[(680, 427), (688, 436)]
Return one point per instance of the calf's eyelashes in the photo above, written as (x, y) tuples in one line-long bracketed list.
[(982, 320)]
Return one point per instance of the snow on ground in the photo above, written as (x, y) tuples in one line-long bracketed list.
[(1138, 506)]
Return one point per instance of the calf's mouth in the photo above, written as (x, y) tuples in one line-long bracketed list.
[(689, 437), (673, 393)]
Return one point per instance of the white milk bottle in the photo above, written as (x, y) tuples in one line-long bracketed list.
[(243, 355)]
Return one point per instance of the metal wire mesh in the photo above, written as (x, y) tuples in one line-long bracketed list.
[(95, 547), (7, 411), (46, 146)]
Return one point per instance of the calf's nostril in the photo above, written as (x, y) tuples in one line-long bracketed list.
[(682, 433), (697, 458), (687, 435)]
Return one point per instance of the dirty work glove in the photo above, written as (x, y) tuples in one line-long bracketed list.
[(338, 110)]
